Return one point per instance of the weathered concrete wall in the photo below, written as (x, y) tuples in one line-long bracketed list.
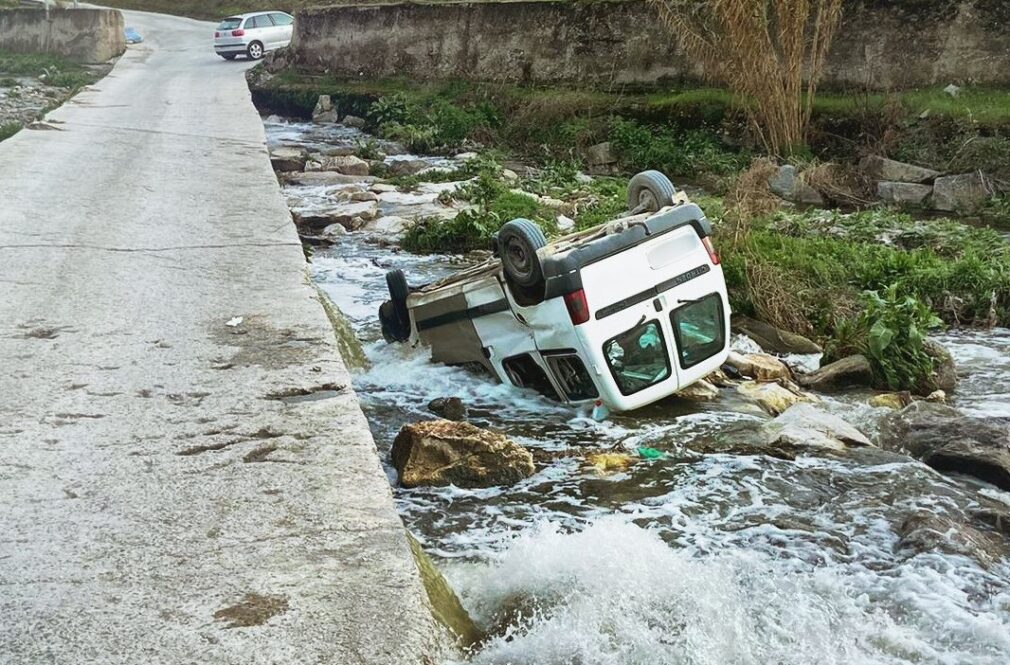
[(882, 43), (82, 35)]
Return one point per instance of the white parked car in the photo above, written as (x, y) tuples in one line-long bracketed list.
[(253, 34), (620, 315)]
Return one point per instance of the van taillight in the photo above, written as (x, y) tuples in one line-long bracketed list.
[(711, 250), (578, 308), (237, 33)]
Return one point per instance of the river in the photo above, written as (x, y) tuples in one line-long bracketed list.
[(712, 554)]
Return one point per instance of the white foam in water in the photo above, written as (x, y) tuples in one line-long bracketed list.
[(616, 593)]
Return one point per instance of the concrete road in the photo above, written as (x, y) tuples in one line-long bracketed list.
[(174, 488)]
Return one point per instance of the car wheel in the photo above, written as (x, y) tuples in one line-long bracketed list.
[(396, 282), (650, 191), (255, 51), (392, 329), (227, 56), (518, 242)]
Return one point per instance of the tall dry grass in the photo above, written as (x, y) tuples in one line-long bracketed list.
[(771, 53)]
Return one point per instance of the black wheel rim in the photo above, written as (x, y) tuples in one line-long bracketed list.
[(518, 258)]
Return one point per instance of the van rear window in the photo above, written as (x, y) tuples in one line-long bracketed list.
[(638, 358), (230, 24), (699, 328)]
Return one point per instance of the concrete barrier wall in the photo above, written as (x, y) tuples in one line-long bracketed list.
[(882, 43), (81, 35)]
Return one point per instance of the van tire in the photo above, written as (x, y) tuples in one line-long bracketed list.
[(392, 329), (650, 191), (396, 282), (518, 242)]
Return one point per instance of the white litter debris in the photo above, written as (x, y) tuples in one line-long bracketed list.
[(234, 322), (953, 90)]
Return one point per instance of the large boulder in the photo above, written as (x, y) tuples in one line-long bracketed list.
[(601, 159), (773, 397), (964, 193), (442, 452), (288, 158), (325, 111), (772, 339), (404, 167), (787, 184), (343, 164), (950, 441), (759, 366), (903, 193), (805, 426), (881, 168), (388, 225), (351, 216), (852, 371)]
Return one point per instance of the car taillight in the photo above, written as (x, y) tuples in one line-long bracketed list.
[(216, 35), (711, 250), (578, 308), (237, 33)]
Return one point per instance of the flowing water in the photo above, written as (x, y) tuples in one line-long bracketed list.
[(711, 554)]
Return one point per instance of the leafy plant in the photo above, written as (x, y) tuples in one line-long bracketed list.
[(390, 109), (673, 152), (893, 331)]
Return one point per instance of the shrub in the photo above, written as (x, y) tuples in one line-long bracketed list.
[(671, 151), (9, 129)]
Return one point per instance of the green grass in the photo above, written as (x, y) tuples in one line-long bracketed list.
[(52, 69)]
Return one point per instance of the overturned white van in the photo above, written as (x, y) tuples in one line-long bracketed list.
[(621, 315)]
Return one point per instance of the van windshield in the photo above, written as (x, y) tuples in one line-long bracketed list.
[(699, 329), (638, 358), (230, 24)]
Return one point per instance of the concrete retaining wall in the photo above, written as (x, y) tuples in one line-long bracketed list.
[(81, 35), (882, 43)]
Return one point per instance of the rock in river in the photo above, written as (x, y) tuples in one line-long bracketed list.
[(773, 397), (450, 408), (804, 425), (344, 164), (287, 158), (772, 339), (948, 440), (442, 452), (851, 371), (759, 366)]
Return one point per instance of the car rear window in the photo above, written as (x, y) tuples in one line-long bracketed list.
[(638, 358), (570, 373), (230, 24), (699, 328)]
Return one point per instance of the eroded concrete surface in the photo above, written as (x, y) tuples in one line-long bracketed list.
[(172, 488)]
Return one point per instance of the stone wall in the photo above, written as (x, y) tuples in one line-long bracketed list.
[(81, 35), (882, 43)]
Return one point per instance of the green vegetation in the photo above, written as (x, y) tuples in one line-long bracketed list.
[(9, 129), (494, 203), (51, 69), (891, 332)]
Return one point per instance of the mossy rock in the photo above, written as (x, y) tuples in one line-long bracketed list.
[(445, 605), (347, 342)]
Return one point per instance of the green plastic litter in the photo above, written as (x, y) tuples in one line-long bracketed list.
[(650, 453)]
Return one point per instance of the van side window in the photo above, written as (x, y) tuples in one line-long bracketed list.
[(699, 329), (524, 372), (570, 372)]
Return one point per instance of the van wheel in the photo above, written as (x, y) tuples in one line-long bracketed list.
[(396, 282), (392, 329), (518, 242), (255, 51), (650, 191)]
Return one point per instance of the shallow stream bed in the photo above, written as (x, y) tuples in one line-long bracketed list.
[(714, 553)]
